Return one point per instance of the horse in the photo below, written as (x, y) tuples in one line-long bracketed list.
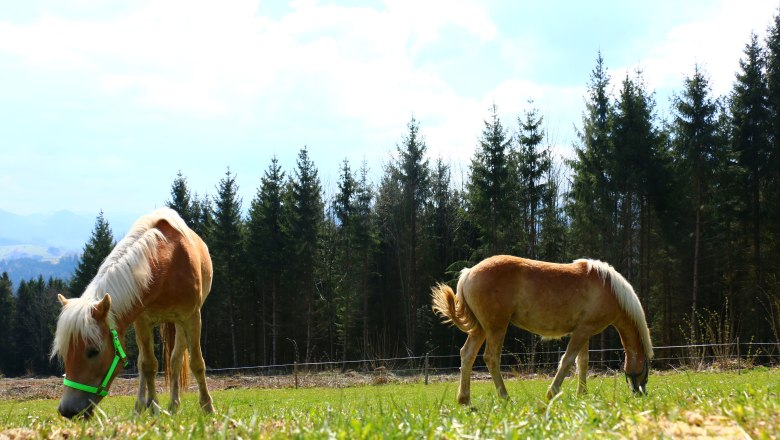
[(159, 273), (552, 300)]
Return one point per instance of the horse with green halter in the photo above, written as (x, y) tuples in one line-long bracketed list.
[(159, 274)]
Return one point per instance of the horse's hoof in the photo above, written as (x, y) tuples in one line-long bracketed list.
[(464, 400), (551, 393), (208, 408)]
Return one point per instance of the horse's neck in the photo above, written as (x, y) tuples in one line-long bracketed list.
[(125, 320), (630, 337)]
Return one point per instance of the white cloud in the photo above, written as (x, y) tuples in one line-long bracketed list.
[(716, 42)]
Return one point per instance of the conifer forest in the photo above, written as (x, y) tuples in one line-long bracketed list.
[(686, 207)]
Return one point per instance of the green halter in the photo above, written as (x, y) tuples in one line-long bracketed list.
[(102, 390)]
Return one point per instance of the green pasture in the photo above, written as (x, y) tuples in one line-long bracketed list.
[(680, 404)]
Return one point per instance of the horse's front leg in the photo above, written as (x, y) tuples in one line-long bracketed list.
[(467, 356), (147, 367), (582, 368), (577, 341)]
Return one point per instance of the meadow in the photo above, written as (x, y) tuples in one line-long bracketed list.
[(679, 404)]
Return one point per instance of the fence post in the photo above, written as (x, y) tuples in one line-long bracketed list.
[(295, 373), (425, 368), (739, 358)]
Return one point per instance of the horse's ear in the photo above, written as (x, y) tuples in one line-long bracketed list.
[(101, 309), (63, 300)]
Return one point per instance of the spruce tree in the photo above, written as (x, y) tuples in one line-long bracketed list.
[(267, 250), (412, 177), (695, 143), (97, 248), (306, 228), (592, 196), (7, 340), (346, 256), (34, 324), (772, 179), (750, 115), (491, 188), (225, 241), (182, 201), (532, 163)]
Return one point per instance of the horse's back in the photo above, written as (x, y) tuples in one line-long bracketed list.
[(549, 299)]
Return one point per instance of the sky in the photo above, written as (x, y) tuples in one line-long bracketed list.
[(102, 102)]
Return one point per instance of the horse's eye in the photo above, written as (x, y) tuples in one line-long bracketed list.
[(92, 352)]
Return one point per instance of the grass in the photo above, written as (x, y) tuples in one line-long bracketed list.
[(680, 404)]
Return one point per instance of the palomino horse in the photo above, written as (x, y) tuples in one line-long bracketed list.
[(159, 273), (552, 300)]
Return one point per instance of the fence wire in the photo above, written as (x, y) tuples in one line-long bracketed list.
[(724, 355)]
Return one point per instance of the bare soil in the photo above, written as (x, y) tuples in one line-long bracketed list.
[(20, 389)]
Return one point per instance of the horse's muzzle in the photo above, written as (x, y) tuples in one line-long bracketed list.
[(76, 408)]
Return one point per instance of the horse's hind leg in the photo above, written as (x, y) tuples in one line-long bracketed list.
[(582, 368), (177, 358), (576, 343), (492, 357), (147, 366), (467, 356), (197, 364)]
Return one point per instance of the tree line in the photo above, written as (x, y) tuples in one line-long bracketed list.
[(686, 208)]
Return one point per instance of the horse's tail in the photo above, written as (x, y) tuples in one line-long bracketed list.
[(168, 332), (453, 308), (626, 297)]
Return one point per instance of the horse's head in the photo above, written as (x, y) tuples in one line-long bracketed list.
[(637, 373), (90, 351)]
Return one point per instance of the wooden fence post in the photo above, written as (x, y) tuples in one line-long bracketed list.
[(739, 358), (425, 368), (295, 373)]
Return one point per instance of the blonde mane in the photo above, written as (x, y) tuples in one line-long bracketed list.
[(124, 274), (626, 297)]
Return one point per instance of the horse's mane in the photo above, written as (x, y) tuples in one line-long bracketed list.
[(626, 297), (124, 274)]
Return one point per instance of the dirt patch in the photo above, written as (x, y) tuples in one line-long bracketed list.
[(20, 389)]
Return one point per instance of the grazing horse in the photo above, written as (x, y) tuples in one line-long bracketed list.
[(552, 300), (160, 273)]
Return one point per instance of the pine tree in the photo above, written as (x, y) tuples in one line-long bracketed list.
[(7, 308), (635, 174), (750, 115), (225, 242), (490, 188), (306, 228), (97, 248), (182, 201), (412, 175), (772, 178), (267, 249), (532, 164), (34, 324), (695, 132), (365, 243), (345, 210), (592, 195)]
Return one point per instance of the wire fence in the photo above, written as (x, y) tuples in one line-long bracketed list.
[(733, 355)]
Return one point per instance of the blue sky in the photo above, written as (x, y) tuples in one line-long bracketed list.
[(103, 102)]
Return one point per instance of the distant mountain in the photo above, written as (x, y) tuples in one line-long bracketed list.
[(63, 229), (30, 268), (48, 245)]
